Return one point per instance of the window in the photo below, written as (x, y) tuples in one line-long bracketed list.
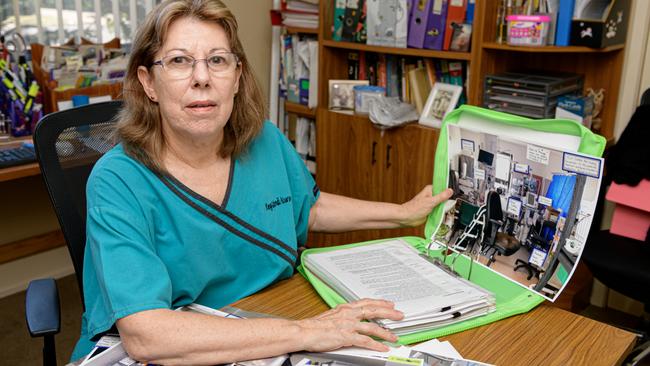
[(55, 22)]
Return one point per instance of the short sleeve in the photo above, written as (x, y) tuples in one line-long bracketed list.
[(122, 272), (304, 190)]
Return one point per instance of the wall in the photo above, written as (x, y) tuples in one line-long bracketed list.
[(255, 34), (637, 61)]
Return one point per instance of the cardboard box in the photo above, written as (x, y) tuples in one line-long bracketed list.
[(575, 107), (603, 27)]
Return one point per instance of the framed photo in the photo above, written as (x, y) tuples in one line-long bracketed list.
[(341, 93), (461, 37), (442, 100)]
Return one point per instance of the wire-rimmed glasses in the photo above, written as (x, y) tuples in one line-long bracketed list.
[(182, 66)]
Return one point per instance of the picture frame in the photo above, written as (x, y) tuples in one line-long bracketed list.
[(461, 37), (442, 100), (341, 94)]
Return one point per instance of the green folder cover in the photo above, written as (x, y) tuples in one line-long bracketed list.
[(511, 298)]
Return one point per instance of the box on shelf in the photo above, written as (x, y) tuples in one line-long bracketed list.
[(600, 24), (528, 30), (575, 107), (533, 94), (363, 94)]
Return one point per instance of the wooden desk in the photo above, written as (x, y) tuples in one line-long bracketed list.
[(32, 245), (546, 335)]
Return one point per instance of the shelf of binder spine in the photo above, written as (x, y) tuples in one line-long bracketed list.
[(532, 95), (436, 25)]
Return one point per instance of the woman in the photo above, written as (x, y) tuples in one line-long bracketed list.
[(204, 202)]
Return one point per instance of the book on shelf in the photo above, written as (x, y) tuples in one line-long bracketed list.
[(428, 295), (394, 74)]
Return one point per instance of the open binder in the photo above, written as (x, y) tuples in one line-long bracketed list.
[(511, 297)]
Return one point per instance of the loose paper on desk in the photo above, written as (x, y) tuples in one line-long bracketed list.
[(393, 270), (431, 353)]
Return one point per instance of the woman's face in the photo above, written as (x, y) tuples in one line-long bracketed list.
[(198, 105)]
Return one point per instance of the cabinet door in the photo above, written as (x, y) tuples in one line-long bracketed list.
[(407, 167), (349, 155), (407, 164)]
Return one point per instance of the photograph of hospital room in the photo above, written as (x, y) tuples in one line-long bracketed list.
[(516, 209)]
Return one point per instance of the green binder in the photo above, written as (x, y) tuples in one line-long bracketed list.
[(511, 298)]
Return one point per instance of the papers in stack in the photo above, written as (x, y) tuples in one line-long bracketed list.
[(303, 14), (429, 296), (302, 20)]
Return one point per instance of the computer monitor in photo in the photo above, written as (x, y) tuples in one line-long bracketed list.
[(531, 199), (485, 157)]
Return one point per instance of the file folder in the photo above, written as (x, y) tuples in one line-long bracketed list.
[(563, 27), (419, 22), (455, 14), (435, 34)]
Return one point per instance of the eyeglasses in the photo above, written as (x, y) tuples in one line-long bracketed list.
[(182, 66)]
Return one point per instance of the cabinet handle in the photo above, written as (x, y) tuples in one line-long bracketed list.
[(388, 147), (374, 148)]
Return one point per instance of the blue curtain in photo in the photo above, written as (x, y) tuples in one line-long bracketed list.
[(560, 191)]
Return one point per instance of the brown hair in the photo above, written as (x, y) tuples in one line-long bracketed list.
[(139, 125)]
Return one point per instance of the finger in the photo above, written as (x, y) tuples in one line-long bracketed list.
[(442, 196), (374, 330), (380, 313), (377, 303), (369, 343)]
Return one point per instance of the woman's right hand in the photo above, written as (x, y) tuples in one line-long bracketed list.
[(343, 326)]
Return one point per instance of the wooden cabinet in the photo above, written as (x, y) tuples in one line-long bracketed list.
[(358, 160), (361, 161)]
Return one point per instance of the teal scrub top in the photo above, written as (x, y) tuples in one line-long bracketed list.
[(153, 243)]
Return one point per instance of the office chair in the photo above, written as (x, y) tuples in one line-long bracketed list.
[(493, 223), (68, 143), (537, 238), (621, 263)]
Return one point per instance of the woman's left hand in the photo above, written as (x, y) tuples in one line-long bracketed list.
[(415, 211)]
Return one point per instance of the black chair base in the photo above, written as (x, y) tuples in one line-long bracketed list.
[(532, 271)]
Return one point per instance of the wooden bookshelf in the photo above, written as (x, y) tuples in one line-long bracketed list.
[(600, 68), (549, 49), (415, 52), (299, 30), (299, 109), (30, 246)]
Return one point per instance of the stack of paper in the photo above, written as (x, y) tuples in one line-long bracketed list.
[(297, 13), (429, 296)]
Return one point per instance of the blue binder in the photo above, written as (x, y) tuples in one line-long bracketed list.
[(564, 16)]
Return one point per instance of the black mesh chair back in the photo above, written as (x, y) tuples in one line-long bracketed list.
[(494, 210), (68, 143)]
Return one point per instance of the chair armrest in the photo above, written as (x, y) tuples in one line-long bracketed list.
[(42, 310), (497, 222)]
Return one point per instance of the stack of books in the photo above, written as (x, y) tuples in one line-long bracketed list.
[(429, 295), (300, 13)]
